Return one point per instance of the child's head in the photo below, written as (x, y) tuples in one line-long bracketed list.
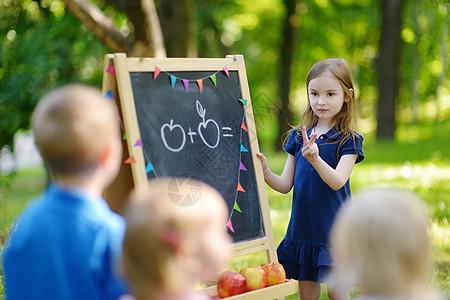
[(339, 70), (76, 129), (381, 243), (167, 247)]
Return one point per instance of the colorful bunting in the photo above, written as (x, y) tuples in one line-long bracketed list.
[(242, 167), (130, 160), (156, 73), (138, 143), (243, 126), (230, 226), (240, 188), (236, 207), (200, 84), (124, 136), (244, 101), (109, 95), (149, 167), (173, 79), (186, 84), (111, 69), (225, 69), (243, 149), (213, 78)]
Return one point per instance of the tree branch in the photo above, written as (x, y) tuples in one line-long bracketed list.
[(102, 26), (155, 31)]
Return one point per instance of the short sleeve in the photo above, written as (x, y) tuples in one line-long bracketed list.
[(291, 144), (353, 145)]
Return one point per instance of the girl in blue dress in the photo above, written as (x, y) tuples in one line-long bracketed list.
[(322, 151)]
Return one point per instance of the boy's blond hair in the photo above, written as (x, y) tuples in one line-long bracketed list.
[(157, 228), (72, 126), (381, 242)]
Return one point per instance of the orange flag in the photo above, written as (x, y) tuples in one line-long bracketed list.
[(240, 188), (200, 84)]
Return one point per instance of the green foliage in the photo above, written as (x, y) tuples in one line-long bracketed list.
[(42, 47)]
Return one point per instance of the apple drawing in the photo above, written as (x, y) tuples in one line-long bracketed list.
[(204, 124), (231, 283), (172, 127), (275, 273), (256, 277)]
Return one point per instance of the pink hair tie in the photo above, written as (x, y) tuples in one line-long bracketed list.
[(170, 237)]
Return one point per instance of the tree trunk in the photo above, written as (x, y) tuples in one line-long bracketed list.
[(387, 68), (178, 24), (148, 39), (286, 55)]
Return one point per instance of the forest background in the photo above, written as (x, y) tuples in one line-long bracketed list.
[(397, 51)]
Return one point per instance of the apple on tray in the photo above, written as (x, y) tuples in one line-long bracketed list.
[(256, 277), (275, 273), (231, 283)]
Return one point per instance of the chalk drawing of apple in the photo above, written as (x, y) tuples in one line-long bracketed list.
[(204, 124), (172, 127)]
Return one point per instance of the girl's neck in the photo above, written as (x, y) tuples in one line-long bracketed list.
[(322, 127)]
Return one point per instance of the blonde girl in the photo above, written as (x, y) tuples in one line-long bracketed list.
[(168, 247), (382, 244), (322, 151)]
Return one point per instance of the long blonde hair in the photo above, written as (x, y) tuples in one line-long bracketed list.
[(346, 118)]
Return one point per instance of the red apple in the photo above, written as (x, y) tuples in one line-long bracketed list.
[(275, 273), (256, 277), (230, 284)]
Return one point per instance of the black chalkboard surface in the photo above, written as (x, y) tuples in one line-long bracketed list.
[(202, 135)]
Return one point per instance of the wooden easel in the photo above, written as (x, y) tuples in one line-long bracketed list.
[(118, 84)]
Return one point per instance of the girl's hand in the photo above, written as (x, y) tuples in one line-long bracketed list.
[(263, 160), (310, 151)]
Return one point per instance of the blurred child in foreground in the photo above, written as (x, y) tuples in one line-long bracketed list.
[(382, 245), (66, 243), (168, 247)]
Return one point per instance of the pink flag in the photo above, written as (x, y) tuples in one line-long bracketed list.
[(225, 69), (111, 69), (230, 226)]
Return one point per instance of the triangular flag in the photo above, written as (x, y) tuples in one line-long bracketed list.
[(130, 160), (236, 207), (119, 118), (242, 167), (225, 69), (186, 84), (149, 167), (141, 58), (138, 143), (244, 101), (230, 226), (109, 95), (111, 69), (243, 149), (240, 188), (124, 136), (200, 84), (243, 126), (173, 79), (213, 78), (156, 73)]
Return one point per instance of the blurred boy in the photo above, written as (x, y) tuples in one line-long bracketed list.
[(65, 244)]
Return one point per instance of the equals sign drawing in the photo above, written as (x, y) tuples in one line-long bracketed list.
[(226, 134)]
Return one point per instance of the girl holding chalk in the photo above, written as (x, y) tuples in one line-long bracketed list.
[(322, 151)]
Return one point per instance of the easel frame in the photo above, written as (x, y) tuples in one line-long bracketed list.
[(134, 175)]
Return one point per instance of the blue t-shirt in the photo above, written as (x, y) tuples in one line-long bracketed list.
[(314, 203), (65, 245)]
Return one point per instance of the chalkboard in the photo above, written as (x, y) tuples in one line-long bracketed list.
[(193, 118), (202, 135)]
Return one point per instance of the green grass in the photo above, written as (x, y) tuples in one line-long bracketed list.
[(417, 161)]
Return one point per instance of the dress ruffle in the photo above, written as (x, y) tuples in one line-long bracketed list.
[(306, 254)]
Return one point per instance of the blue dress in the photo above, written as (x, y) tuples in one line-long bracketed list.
[(304, 251), (65, 245)]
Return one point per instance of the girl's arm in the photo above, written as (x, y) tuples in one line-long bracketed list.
[(335, 178), (283, 183)]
